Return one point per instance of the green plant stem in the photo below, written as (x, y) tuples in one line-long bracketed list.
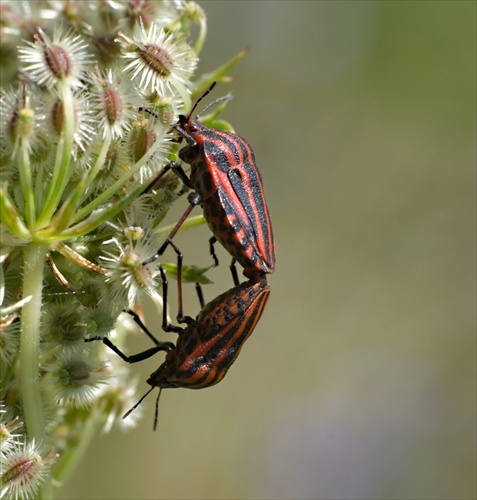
[(112, 190), (10, 216), (98, 165), (26, 183), (34, 262), (61, 171), (189, 223), (202, 36), (76, 449)]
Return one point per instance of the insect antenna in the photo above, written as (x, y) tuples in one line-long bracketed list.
[(146, 110), (200, 99), (213, 103), (138, 403), (156, 414)]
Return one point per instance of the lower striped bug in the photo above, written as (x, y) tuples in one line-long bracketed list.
[(207, 346)]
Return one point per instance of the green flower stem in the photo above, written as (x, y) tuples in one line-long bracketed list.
[(39, 185), (98, 164), (26, 183), (101, 216), (10, 217), (61, 172), (112, 190), (76, 449), (34, 262), (189, 223), (201, 38), (65, 213), (185, 96)]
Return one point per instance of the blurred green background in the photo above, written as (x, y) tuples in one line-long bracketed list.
[(359, 381)]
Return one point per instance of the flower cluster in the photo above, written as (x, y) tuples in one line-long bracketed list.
[(23, 465), (80, 211)]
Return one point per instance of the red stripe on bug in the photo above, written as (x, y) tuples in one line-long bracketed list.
[(208, 347), (229, 188), (249, 203)]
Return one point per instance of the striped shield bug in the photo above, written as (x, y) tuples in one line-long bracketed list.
[(208, 346), (228, 186)]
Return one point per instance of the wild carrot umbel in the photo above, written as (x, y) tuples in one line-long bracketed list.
[(77, 219)]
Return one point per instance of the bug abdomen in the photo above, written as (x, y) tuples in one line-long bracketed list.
[(207, 348), (231, 233), (224, 174)]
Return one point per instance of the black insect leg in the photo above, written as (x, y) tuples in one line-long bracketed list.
[(200, 294), (212, 242), (166, 326), (233, 270), (164, 346), (194, 199), (160, 346), (176, 168)]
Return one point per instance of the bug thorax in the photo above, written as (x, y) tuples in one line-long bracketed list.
[(190, 153)]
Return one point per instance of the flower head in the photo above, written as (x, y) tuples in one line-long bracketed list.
[(8, 437), (84, 125), (49, 62), (19, 121), (23, 468), (111, 102), (76, 377), (161, 60), (127, 276)]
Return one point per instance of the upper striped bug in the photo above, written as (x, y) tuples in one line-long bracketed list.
[(228, 186), (208, 346)]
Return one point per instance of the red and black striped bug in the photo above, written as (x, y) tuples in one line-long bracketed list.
[(208, 346), (228, 185)]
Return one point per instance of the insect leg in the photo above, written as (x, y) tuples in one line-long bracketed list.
[(166, 326), (194, 200), (212, 242), (200, 294), (233, 270), (156, 179), (179, 171), (143, 327), (164, 346), (161, 346)]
